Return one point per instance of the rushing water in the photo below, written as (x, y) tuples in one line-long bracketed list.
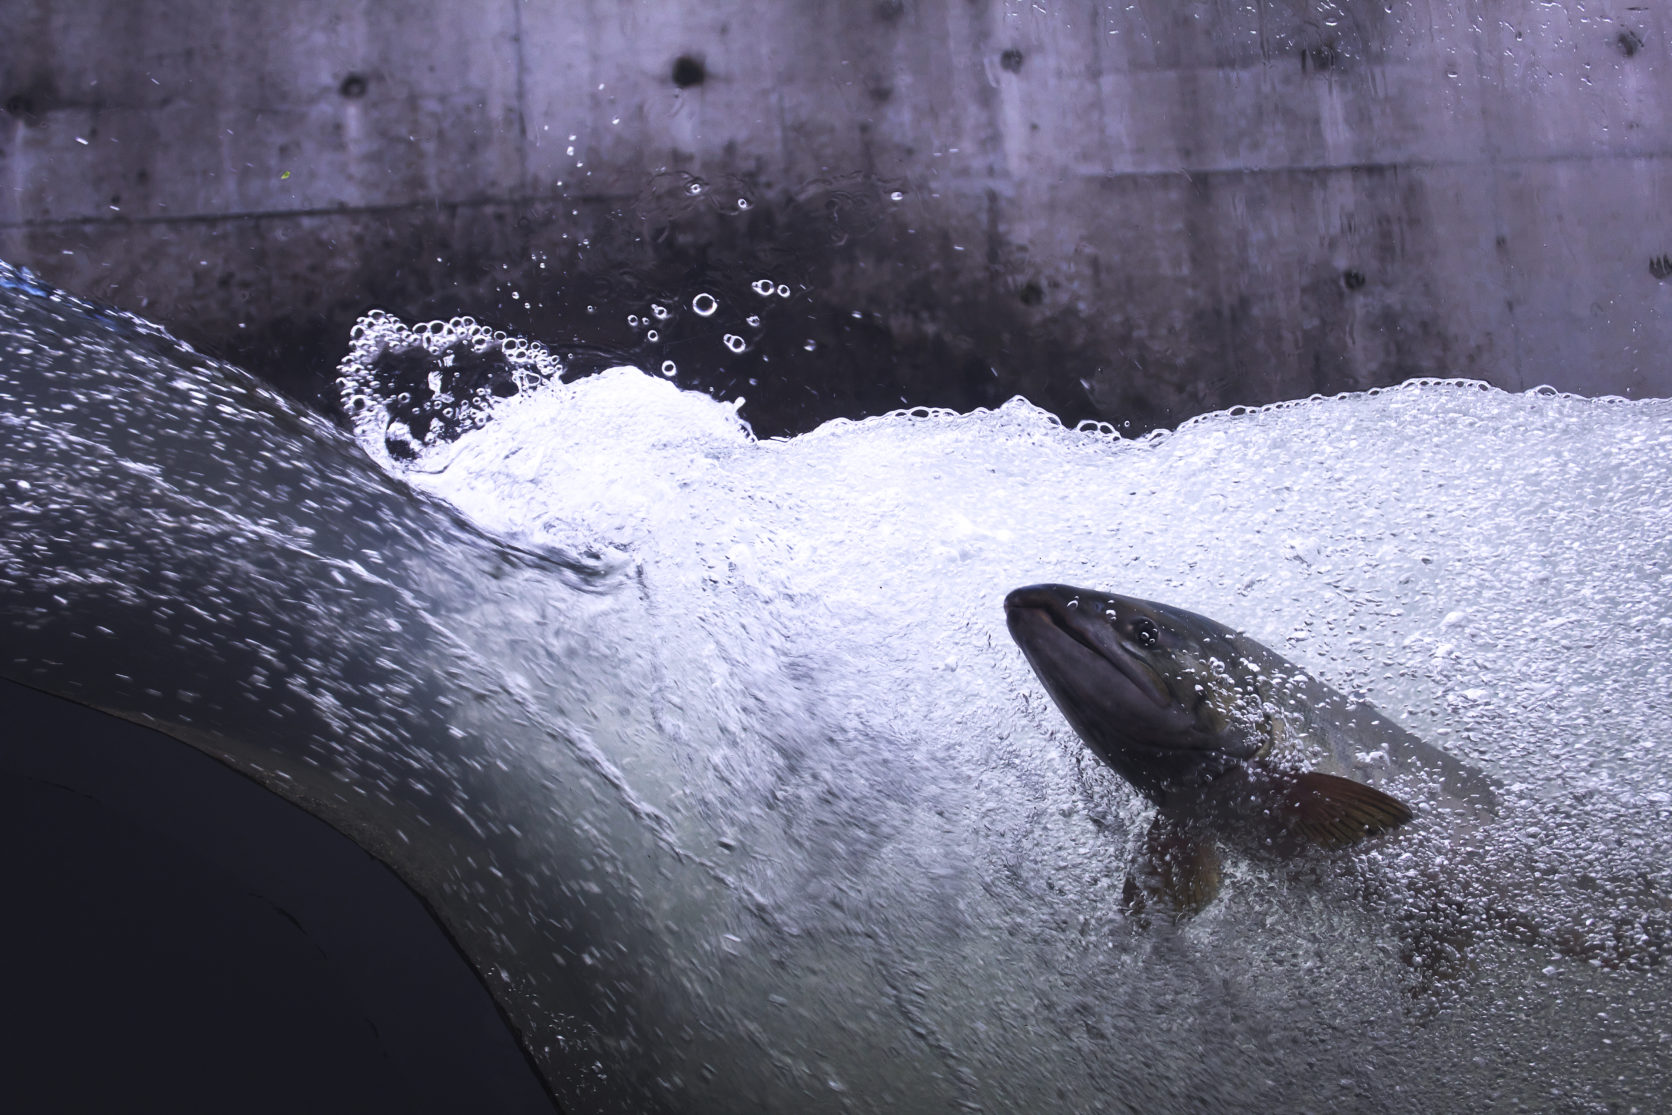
[(716, 757)]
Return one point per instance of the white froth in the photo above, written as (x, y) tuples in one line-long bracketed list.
[(840, 708), (765, 798)]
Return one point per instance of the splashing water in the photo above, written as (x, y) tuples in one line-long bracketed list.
[(717, 758)]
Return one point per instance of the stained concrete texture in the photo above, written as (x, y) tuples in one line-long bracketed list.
[(1132, 211)]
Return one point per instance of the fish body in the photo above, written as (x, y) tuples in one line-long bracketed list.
[(1229, 740)]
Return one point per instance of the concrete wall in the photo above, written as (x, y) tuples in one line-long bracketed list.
[(1134, 210)]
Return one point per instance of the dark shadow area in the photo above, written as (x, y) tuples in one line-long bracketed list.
[(864, 314), (180, 939)]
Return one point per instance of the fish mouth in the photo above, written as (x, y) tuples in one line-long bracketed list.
[(1034, 608)]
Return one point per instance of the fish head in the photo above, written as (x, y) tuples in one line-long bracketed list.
[(1155, 691)]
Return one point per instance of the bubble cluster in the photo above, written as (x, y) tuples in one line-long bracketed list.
[(766, 289), (408, 388)]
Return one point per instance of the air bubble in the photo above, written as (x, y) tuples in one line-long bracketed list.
[(446, 407), (704, 304), (633, 319), (897, 195), (652, 336), (810, 345), (754, 321), (669, 367), (783, 290), (762, 287), (743, 203), (660, 313), (734, 342)]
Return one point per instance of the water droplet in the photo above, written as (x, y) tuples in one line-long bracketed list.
[(704, 304)]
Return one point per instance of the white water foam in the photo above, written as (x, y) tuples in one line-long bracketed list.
[(753, 805), (907, 868)]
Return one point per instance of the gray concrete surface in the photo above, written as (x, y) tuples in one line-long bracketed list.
[(1130, 210)]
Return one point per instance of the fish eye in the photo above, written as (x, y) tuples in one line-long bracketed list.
[(1144, 631)]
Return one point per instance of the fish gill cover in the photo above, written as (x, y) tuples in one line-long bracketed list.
[(716, 756)]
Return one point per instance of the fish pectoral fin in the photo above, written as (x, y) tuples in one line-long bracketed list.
[(1176, 873), (1329, 811)]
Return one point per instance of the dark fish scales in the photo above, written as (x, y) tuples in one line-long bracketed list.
[(1210, 726)]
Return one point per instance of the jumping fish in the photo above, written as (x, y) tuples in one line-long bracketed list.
[(1228, 740)]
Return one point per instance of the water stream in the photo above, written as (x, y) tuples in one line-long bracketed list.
[(715, 756)]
